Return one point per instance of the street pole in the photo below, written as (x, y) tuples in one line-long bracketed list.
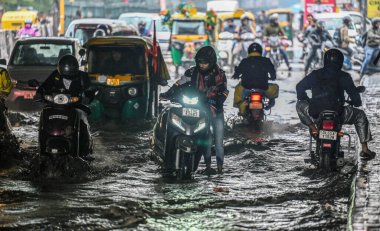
[(364, 6)]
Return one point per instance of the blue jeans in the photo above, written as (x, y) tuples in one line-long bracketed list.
[(368, 57), (283, 53), (218, 127)]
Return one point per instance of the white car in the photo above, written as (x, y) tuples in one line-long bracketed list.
[(334, 21)]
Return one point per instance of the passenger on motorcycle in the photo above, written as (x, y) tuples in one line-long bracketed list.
[(231, 27), (328, 86), (210, 79), (274, 29), (28, 30), (69, 79), (372, 44), (245, 27), (345, 38), (5, 90), (255, 71), (143, 30), (317, 37)]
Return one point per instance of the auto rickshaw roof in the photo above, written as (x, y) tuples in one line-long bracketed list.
[(236, 14), (279, 11), (19, 15), (119, 41), (197, 16)]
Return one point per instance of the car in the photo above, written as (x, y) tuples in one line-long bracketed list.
[(87, 28), (334, 21), (35, 58)]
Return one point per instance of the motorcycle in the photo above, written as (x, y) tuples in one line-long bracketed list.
[(241, 49), (62, 135), (255, 104), (272, 49), (181, 134), (328, 154)]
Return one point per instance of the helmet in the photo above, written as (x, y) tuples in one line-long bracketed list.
[(28, 21), (320, 24), (244, 17), (375, 20), (206, 55), (273, 17), (347, 19), (255, 47), (333, 57), (68, 66)]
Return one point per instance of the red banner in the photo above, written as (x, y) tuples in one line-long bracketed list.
[(319, 6)]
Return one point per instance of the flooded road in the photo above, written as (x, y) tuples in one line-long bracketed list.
[(266, 185)]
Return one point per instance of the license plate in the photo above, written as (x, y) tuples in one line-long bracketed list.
[(113, 82), (255, 105), (190, 112), (327, 135)]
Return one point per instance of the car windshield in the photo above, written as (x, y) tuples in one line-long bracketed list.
[(134, 20), (112, 60), (334, 23), (188, 27), (42, 54)]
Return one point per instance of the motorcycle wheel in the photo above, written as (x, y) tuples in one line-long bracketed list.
[(187, 164), (324, 162)]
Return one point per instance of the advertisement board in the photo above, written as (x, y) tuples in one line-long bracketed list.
[(373, 7), (319, 6)]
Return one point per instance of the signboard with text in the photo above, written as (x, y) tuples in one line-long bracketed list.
[(373, 7), (319, 6)]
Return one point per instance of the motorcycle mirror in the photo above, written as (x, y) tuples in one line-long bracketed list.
[(82, 52), (360, 89), (33, 83)]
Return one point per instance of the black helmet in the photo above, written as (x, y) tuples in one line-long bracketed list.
[(68, 66), (255, 47), (374, 21), (333, 57), (206, 55), (347, 20)]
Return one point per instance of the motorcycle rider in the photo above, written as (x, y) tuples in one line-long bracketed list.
[(231, 27), (274, 29), (345, 38), (372, 44), (328, 86), (28, 29), (209, 79), (254, 71), (245, 27), (68, 78), (143, 30), (5, 90), (318, 36)]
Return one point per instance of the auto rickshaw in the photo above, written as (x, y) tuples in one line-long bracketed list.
[(122, 70), (226, 40), (188, 34), (14, 20), (285, 19)]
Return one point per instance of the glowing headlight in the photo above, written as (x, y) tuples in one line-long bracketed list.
[(102, 79), (61, 99), (190, 101), (132, 91), (177, 121), (49, 98), (201, 125)]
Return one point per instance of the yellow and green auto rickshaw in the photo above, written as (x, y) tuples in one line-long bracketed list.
[(188, 34), (14, 20), (285, 19), (123, 71)]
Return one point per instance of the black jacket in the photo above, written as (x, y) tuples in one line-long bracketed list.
[(344, 84), (56, 84), (255, 72)]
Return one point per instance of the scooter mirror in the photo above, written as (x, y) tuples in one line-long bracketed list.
[(33, 83), (82, 52), (360, 89)]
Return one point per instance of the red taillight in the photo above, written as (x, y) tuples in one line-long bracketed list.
[(328, 125), (327, 145), (256, 97)]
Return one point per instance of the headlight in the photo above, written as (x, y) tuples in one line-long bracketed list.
[(61, 99), (132, 91), (102, 79), (177, 121), (201, 125), (190, 101), (49, 98)]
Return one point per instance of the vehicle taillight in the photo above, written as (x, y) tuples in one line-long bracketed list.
[(256, 97), (328, 125)]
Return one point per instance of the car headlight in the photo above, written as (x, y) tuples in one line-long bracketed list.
[(132, 91), (49, 98), (61, 99), (177, 121), (201, 125), (190, 101)]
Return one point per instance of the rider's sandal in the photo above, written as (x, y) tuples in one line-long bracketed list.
[(369, 155)]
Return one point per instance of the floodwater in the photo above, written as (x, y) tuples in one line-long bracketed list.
[(266, 184)]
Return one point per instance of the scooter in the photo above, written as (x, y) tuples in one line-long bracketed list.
[(255, 104), (328, 154), (181, 134), (62, 135)]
